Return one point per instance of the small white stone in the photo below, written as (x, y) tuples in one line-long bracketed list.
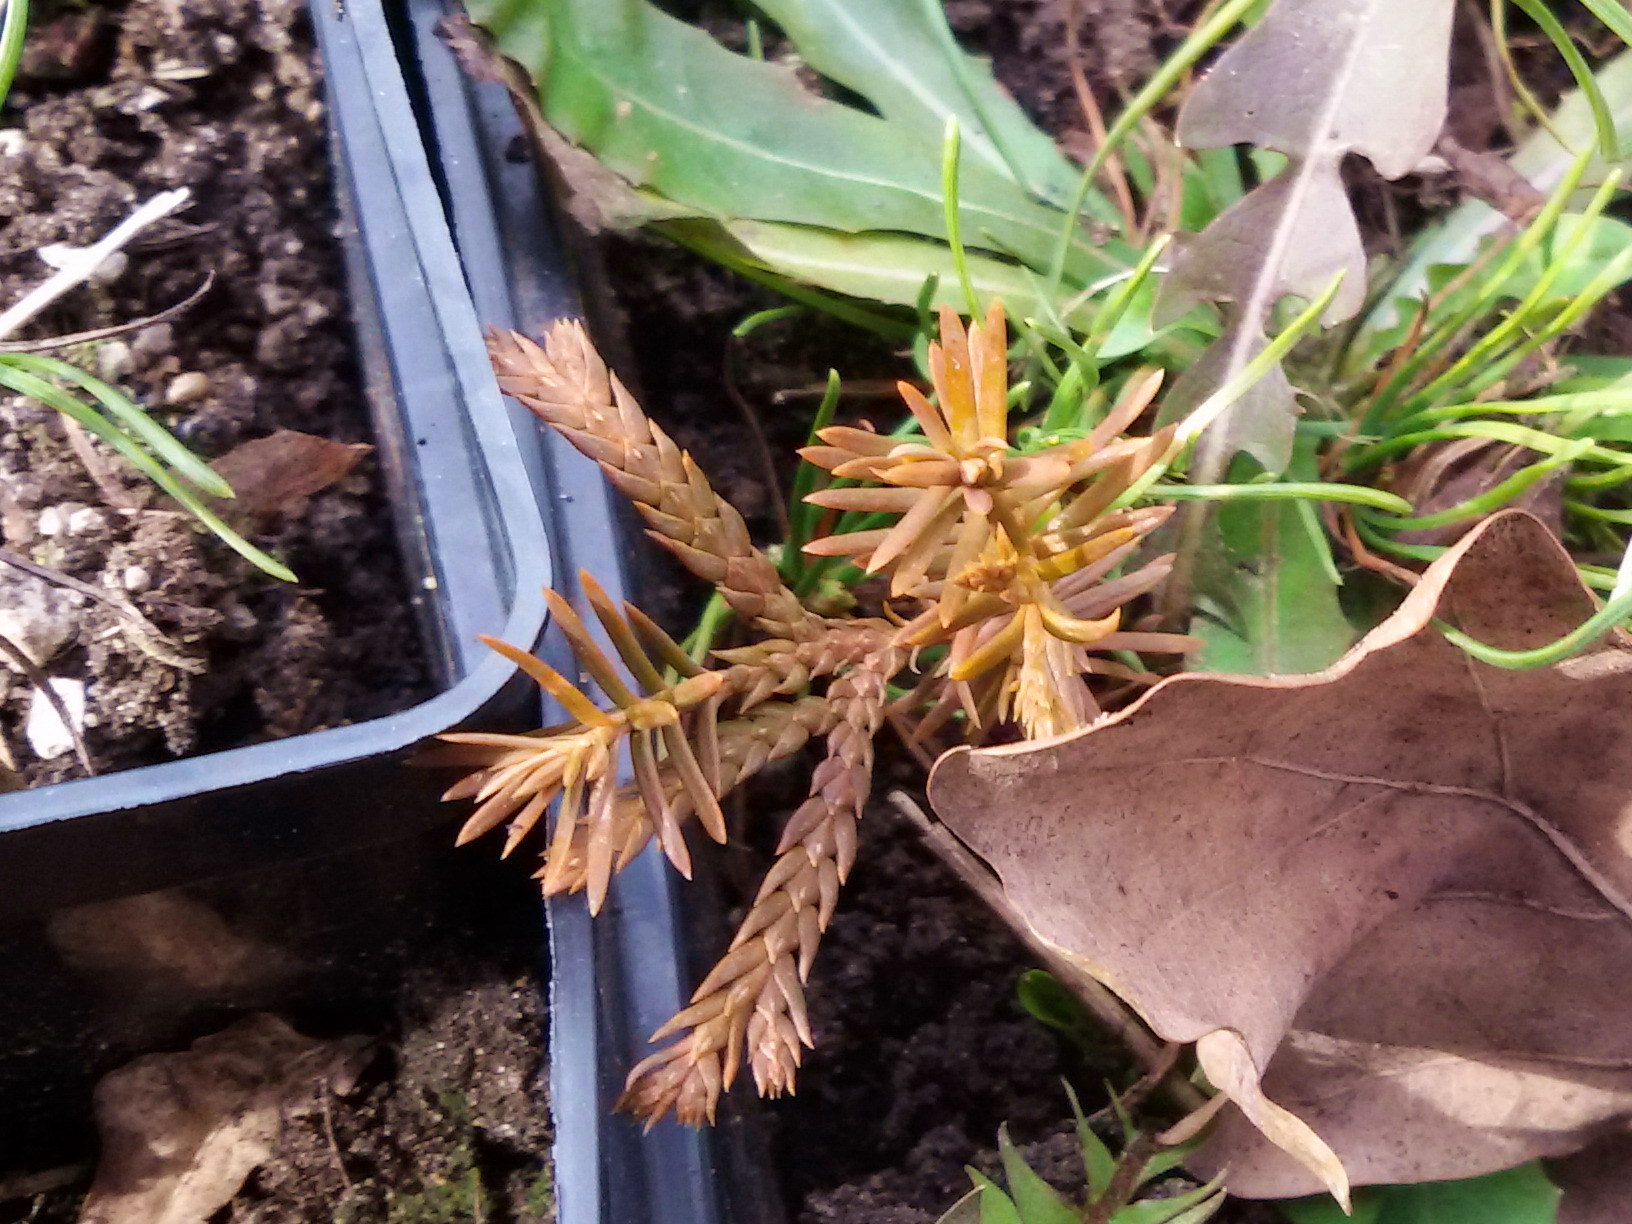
[(47, 734), (85, 520), (36, 616), (12, 142), (53, 519), (187, 388), (135, 578), (112, 359)]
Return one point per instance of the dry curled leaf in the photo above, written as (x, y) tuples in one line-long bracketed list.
[(1316, 80), (1390, 900), (181, 1132), (278, 473)]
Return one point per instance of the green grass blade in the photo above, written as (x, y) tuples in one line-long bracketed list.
[(954, 230), (1614, 15), (135, 420), (1494, 498), (1613, 613), (802, 516), (1286, 490), (1183, 58), (25, 383), (1602, 117), (13, 28)]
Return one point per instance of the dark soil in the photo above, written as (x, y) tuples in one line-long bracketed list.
[(427, 956), (222, 97)]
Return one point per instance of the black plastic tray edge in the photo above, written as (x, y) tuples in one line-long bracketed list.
[(613, 980), (319, 792)]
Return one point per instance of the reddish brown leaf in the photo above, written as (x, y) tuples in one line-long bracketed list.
[(277, 473), (1395, 891)]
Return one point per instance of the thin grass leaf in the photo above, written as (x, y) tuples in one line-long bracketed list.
[(1544, 158), (13, 28), (1316, 81), (31, 385), (1497, 496), (133, 418), (1151, 95), (1317, 490), (802, 516), (1614, 15), (950, 148), (1602, 117)]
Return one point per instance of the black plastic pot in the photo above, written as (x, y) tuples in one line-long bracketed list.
[(613, 980), (459, 463)]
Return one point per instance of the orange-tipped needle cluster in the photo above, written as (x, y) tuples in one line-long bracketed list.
[(1008, 552), (1020, 564)]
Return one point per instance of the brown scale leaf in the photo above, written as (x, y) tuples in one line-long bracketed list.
[(567, 384), (751, 1007), (1391, 901)]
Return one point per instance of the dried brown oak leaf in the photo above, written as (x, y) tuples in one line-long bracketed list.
[(1387, 900)]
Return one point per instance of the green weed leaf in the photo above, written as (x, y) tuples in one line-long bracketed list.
[(669, 109), (1269, 604), (901, 56), (1036, 1200), (1513, 1196)]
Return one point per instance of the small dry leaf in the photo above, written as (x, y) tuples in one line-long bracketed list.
[(277, 473), (1316, 80), (181, 1132), (1390, 900)]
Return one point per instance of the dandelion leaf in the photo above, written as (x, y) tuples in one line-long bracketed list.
[(901, 57), (664, 106)]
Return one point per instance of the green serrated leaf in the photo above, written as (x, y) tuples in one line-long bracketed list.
[(1514, 1196), (900, 55), (1036, 1201), (665, 106)]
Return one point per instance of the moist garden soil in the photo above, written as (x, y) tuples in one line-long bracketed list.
[(428, 956), (223, 97)]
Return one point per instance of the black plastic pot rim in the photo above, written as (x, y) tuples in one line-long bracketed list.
[(358, 53)]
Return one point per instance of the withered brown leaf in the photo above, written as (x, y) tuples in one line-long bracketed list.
[(181, 1132), (1395, 892), (1316, 80), (278, 473)]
